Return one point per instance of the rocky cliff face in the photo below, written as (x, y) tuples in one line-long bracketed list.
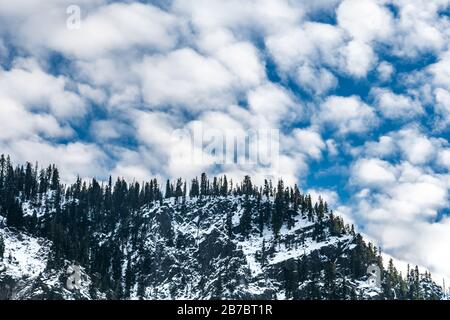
[(214, 247)]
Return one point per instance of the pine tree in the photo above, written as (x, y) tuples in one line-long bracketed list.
[(266, 190), (263, 253), (261, 218), (179, 189), (247, 187), (330, 279), (169, 189), (224, 188), (55, 178), (2, 247), (390, 282), (195, 189), (246, 218), (2, 174), (129, 277), (278, 215), (309, 208), (184, 192), (229, 225), (29, 182), (204, 185)]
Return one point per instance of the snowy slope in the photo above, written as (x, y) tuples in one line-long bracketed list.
[(24, 273)]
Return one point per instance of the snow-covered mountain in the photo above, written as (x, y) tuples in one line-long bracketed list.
[(217, 241), (196, 249)]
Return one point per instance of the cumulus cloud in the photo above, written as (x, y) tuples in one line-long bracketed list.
[(304, 44), (266, 16), (347, 114), (309, 142), (359, 58), (396, 106), (373, 172), (399, 203), (185, 78), (364, 20), (28, 84), (411, 143), (272, 104), (385, 71), (444, 158), (384, 147), (419, 28), (401, 214), (16, 122), (104, 28), (440, 71), (319, 81), (442, 106), (415, 146)]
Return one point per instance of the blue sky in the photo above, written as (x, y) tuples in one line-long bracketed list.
[(359, 89)]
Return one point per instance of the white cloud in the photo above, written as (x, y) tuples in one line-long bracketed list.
[(359, 58), (105, 130), (272, 103), (266, 16), (373, 172), (442, 106), (410, 143), (308, 141), (441, 71), (242, 59), (399, 203), (384, 147), (364, 20), (401, 217), (396, 106), (309, 43), (347, 114), (104, 29), (319, 81), (28, 84), (444, 158), (419, 28), (385, 71), (187, 79), (415, 146), (332, 148), (18, 123)]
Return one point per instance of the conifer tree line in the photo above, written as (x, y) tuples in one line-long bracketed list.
[(69, 216)]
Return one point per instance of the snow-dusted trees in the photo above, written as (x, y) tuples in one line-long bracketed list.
[(76, 216), (2, 247)]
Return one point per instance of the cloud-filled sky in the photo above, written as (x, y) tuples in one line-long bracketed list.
[(358, 89)]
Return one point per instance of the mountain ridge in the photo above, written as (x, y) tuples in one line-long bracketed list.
[(218, 241)]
